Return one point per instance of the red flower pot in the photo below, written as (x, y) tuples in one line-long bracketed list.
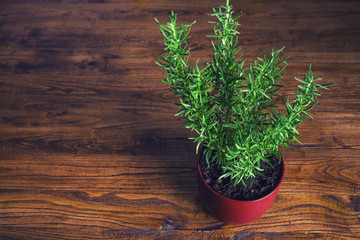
[(233, 211)]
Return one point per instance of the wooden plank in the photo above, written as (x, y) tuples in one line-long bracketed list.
[(60, 213)]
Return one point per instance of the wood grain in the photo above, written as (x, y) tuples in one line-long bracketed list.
[(89, 146)]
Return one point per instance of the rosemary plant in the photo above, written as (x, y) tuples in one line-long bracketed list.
[(231, 107)]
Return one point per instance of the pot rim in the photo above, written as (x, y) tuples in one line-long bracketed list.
[(255, 200)]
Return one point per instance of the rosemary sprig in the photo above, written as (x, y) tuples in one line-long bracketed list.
[(229, 106)]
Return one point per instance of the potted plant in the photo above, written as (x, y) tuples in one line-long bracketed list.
[(241, 131)]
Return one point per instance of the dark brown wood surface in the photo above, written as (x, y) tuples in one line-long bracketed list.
[(89, 146)]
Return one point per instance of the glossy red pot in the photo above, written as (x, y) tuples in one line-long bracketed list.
[(232, 211)]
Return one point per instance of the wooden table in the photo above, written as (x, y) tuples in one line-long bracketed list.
[(89, 146)]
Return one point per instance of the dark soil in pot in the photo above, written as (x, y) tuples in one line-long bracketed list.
[(261, 186)]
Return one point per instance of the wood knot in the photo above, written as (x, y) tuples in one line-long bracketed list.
[(170, 225)]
